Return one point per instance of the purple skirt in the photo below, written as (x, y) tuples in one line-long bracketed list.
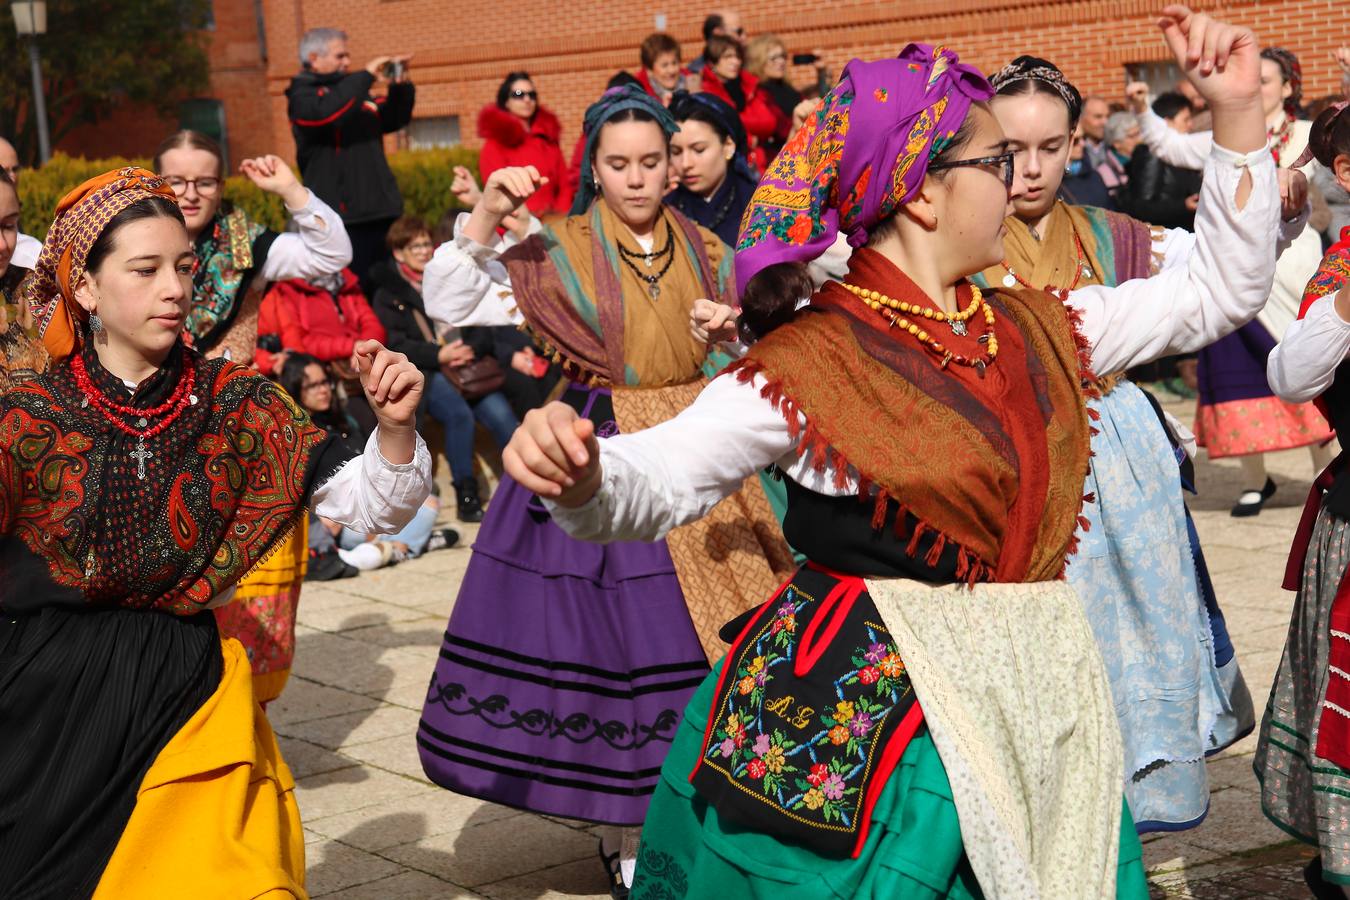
[(564, 670)]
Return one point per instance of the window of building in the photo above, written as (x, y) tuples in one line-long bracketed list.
[(433, 131), (1159, 76), (207, 115)]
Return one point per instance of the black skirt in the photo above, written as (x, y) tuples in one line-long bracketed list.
[(88, 698)]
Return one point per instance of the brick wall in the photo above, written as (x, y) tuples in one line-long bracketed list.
[(462, 50), (238, 80)]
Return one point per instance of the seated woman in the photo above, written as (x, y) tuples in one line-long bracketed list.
[(464, 379), (138, 482), (709, 153), (326, 318), (304, 378), (922, 710), (456, 296), (237, 257)]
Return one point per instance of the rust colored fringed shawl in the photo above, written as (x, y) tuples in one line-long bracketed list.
[(993, 464)]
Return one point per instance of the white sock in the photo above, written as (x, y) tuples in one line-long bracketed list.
[(1253, 472), (628, 850)]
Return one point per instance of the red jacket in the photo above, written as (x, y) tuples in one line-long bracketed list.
[(507, 143), (313, 321), (761, 116)]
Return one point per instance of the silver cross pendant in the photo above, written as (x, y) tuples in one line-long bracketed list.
[(141, 454)]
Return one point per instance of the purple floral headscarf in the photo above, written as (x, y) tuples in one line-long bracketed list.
[(861, 154)]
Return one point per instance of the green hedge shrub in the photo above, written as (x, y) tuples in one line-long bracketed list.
[(423, 176)]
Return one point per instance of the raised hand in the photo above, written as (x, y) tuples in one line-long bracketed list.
[(393, 386), (1221, 60), (555, 454), (712, 323), (506, 189), (273, 175), (1136, 95), (465, 187), (1223, 63)]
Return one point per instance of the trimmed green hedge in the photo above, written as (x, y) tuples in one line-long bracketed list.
[(423, 176)]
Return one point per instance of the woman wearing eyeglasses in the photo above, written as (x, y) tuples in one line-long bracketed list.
[(237, 257), (766, 58), (922, 711), (518, 131)]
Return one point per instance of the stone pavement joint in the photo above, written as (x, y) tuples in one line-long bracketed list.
[(376, 829)]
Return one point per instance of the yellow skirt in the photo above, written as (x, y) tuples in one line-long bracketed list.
[(216, 815)]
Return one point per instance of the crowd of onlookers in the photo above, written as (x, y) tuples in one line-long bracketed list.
[(735, 106), (486, 375)]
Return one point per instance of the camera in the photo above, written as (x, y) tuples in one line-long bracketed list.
[(270, 342), (804, 59), (392, 70)]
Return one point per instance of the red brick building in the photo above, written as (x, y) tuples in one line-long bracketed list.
[(463, 49)]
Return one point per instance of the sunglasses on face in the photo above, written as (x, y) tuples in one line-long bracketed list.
[(522, 95), (1005, 160)]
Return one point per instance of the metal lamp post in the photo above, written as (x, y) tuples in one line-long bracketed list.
[(30, 20)]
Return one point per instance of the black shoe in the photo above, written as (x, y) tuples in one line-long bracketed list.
[(442, 539), (1249, 507), (1320, 887), (328, 567), (617, 889), (470, 508)]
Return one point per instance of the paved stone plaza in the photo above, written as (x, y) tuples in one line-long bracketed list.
[(376, 829)]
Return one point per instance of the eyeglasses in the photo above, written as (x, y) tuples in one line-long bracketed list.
[(522, 95), (1003, 159), (420, 247), (205, 186), (777, 57), (315, 385)]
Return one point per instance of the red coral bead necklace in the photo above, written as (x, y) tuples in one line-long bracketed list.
[(172, 408)]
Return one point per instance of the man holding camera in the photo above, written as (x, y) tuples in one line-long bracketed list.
[(339, 137)]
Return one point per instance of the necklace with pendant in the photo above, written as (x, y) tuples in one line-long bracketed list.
[(1081, 270), (652, 279), (181, 398)]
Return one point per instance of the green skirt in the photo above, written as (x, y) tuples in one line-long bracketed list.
[(913, 848)]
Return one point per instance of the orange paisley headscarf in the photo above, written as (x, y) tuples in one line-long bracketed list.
[(81, 217)]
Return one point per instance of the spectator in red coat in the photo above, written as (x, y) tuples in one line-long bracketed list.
[(326, 319), (724, 77), (517, 131), (661, 74)]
